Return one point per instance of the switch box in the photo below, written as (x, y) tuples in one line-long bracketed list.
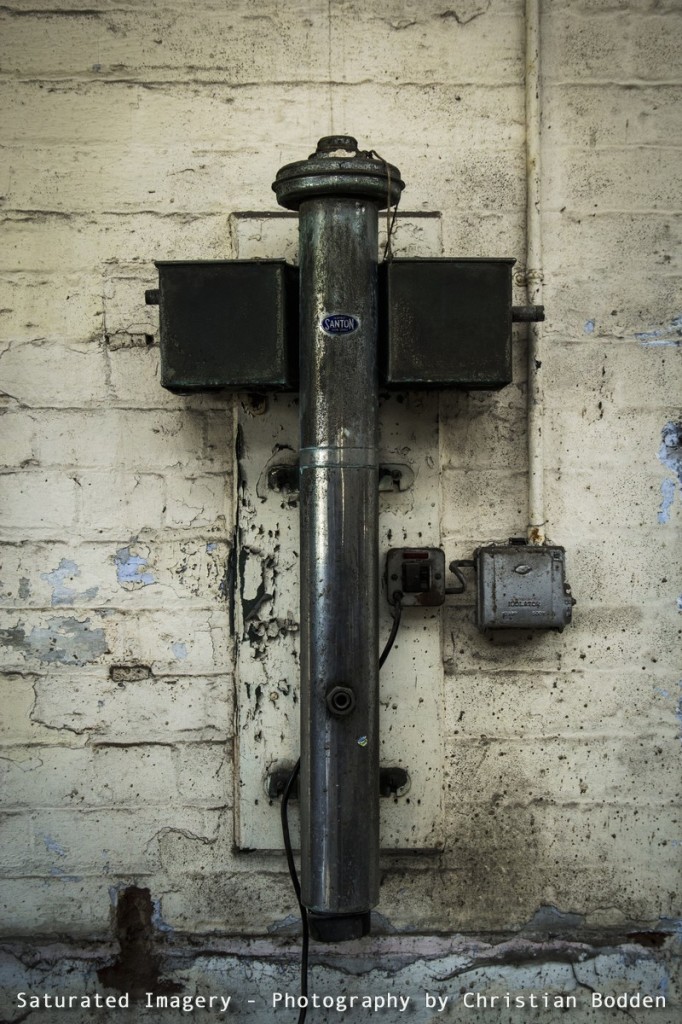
[(228, 324), (418, 574), (521, 586), (445, 323)]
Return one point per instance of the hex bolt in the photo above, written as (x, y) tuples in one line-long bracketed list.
[(340, 700)]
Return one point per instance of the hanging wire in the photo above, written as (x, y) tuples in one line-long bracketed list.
[(397, 612), (390, 219), (297, 885)]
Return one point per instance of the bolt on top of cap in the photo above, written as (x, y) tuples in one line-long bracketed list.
[(330, 143), (338, 168)]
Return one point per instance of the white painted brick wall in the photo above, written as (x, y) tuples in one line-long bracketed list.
[(134, 132)]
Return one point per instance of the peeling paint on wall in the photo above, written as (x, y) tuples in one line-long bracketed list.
[(669, 335), (130, 568), (61, 592), (68, 641), (670, 454)]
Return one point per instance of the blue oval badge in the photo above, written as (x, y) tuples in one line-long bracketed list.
[(339, 323)]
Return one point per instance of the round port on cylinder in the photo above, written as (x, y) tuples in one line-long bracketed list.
[(340, 700)]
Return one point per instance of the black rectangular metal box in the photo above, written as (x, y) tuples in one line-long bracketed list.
[(446, 323), (230, 324)]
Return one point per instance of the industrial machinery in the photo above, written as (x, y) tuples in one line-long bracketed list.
[(336, 330)]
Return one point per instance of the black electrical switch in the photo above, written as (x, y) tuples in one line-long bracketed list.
[(417, 575)]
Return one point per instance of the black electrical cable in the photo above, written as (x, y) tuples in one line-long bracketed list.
[(297, 885), (397, 612), (288, 789)]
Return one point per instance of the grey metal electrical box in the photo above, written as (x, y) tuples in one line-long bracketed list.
[(521, 586), (228, 324)]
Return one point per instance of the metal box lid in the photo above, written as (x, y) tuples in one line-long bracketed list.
[(230, 324), (522, 586), (446, 323)]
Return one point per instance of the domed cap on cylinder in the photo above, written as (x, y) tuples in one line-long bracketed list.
[(338, 168)]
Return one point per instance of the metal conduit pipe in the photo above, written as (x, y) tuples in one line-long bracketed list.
[(533, 276), (338, 192)]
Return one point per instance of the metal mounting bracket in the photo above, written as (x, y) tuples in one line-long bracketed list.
[(393, 781)]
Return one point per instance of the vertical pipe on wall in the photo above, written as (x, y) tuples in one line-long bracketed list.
[(338, 193), (339, 555), (535, 397)]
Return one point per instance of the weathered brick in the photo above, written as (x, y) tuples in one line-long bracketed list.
[(485, 429), (489, 502), (199, 502), (614, 178), (623, 46), (514, 704), (176, 641), (451, 48), (17, 695), (67, 843), (39, 501), (59, 306), (41, 243), (121, 503), (82, 906), (579, 245), (46, 373), (134, 380), (633, 374), (153, 710), (586, 116), (598, 639), (581, 307), (149, 570), (127, 775), (126, 439), (565, 770)]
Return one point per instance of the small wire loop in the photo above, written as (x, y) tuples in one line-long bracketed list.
[(390, 219)]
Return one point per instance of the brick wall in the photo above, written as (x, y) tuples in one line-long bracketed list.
[(131, 132)]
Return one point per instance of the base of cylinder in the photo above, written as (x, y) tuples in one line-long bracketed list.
[(338, 927)]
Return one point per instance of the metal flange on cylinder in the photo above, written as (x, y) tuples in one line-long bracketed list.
[(338, 192)]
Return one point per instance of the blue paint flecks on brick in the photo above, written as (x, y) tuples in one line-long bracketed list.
[(210, 548), (179, 650), (130, 569), (670, 454), (61, 593), (589, 327), (670, 334), (53, 846)]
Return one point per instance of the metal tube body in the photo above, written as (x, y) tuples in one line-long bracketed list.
[(339, 556), (534, 276)]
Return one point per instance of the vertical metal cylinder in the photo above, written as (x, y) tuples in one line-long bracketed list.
[(339, 557), (338, 202)]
